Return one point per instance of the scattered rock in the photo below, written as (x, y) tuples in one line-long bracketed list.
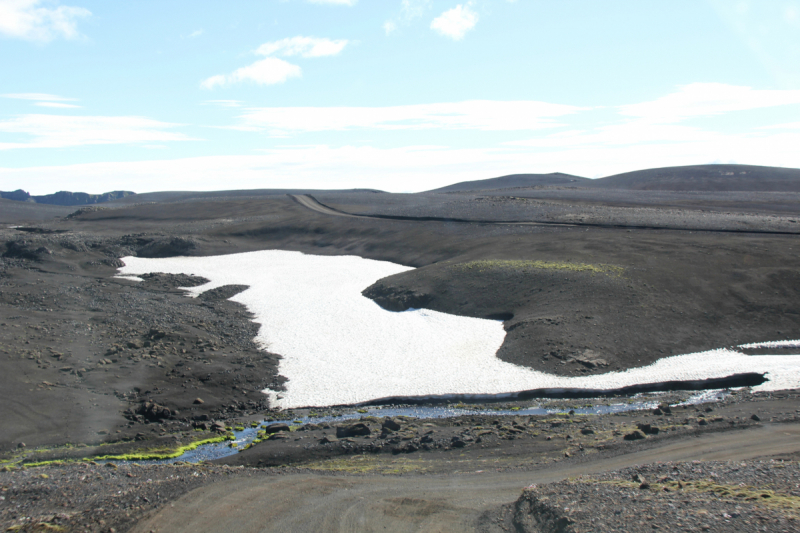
[(275, 428), (198, 401), (391, 423), (648, 429), (634, 435), (152, 411), (756, 418), (352, 430)]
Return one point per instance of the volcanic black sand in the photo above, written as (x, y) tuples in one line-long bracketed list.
[(588, 276)]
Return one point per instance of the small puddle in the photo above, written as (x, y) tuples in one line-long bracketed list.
[(209, 452)]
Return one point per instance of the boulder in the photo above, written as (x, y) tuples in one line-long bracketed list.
[(634, 435), (391, 423), (153, 412), (648, 429), (275, 428), (352, 430)]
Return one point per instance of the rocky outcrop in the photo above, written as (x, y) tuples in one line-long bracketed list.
[(395, 298), (167, 247)]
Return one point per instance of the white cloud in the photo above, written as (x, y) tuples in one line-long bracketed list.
[(271, 70), (44, 100), (456, 22), (38, 96), (27, 19), (59, 105), (474, 115), (267, 71), (224, 103), (402, 169), (335, 2), (302, 46), (708, 99), (409, 10), (196, 33), (58, 131), (412, 9), (786, 126), (659, 120)]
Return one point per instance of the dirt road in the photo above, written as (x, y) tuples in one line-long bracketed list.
[(318, 502)]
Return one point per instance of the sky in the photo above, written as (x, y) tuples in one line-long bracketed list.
[(397, 95)]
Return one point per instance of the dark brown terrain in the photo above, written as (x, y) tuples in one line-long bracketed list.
[(588, 275)]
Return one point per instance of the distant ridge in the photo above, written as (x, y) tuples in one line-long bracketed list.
[(515, 181), (65, 197), (710, 178)]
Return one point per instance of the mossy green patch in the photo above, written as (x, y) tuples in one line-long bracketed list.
[(488, 265), (40, 527), (150, 454), (368, 464), (738, 493)]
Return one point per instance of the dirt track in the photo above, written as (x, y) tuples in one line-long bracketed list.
[(311, 502)]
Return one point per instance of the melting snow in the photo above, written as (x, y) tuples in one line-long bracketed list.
[(339, 347)]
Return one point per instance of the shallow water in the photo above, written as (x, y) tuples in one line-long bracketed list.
[(209, 452)]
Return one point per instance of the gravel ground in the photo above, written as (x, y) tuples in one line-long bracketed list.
[(682, 496)]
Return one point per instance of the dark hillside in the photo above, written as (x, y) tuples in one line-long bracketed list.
[(65, 197), (515, 181), (711, 178)]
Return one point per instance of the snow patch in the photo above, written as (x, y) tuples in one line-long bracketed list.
[(340, 347)]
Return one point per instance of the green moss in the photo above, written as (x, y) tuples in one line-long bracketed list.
[(737, 493), (366, 464), (487, 265), (143, 455), (38, 527), (253, 424)]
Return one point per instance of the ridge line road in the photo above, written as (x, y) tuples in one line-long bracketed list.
[(309, 502)]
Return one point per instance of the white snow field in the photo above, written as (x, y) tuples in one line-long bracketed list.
[(339, 347)]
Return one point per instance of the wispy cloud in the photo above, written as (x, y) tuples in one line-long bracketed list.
[(267, 71), (409, 10), (708, 99), (272, 70), (44, 100), (59, 131), (59, 105), (302, 46), (456, 22), (29, 20), (669, 119), (196, 33), (44, 97), (475, 115), (224, 103), (334, 2)]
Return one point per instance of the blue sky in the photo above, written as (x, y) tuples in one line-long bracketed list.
[(399, 95)]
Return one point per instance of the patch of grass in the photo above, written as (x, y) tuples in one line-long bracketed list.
[(487, 265), (367, 464), (37, 528), (736, 493), (142, 455)]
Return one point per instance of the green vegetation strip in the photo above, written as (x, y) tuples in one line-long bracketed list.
[(518, 264), (739, 493), (144, 455)]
